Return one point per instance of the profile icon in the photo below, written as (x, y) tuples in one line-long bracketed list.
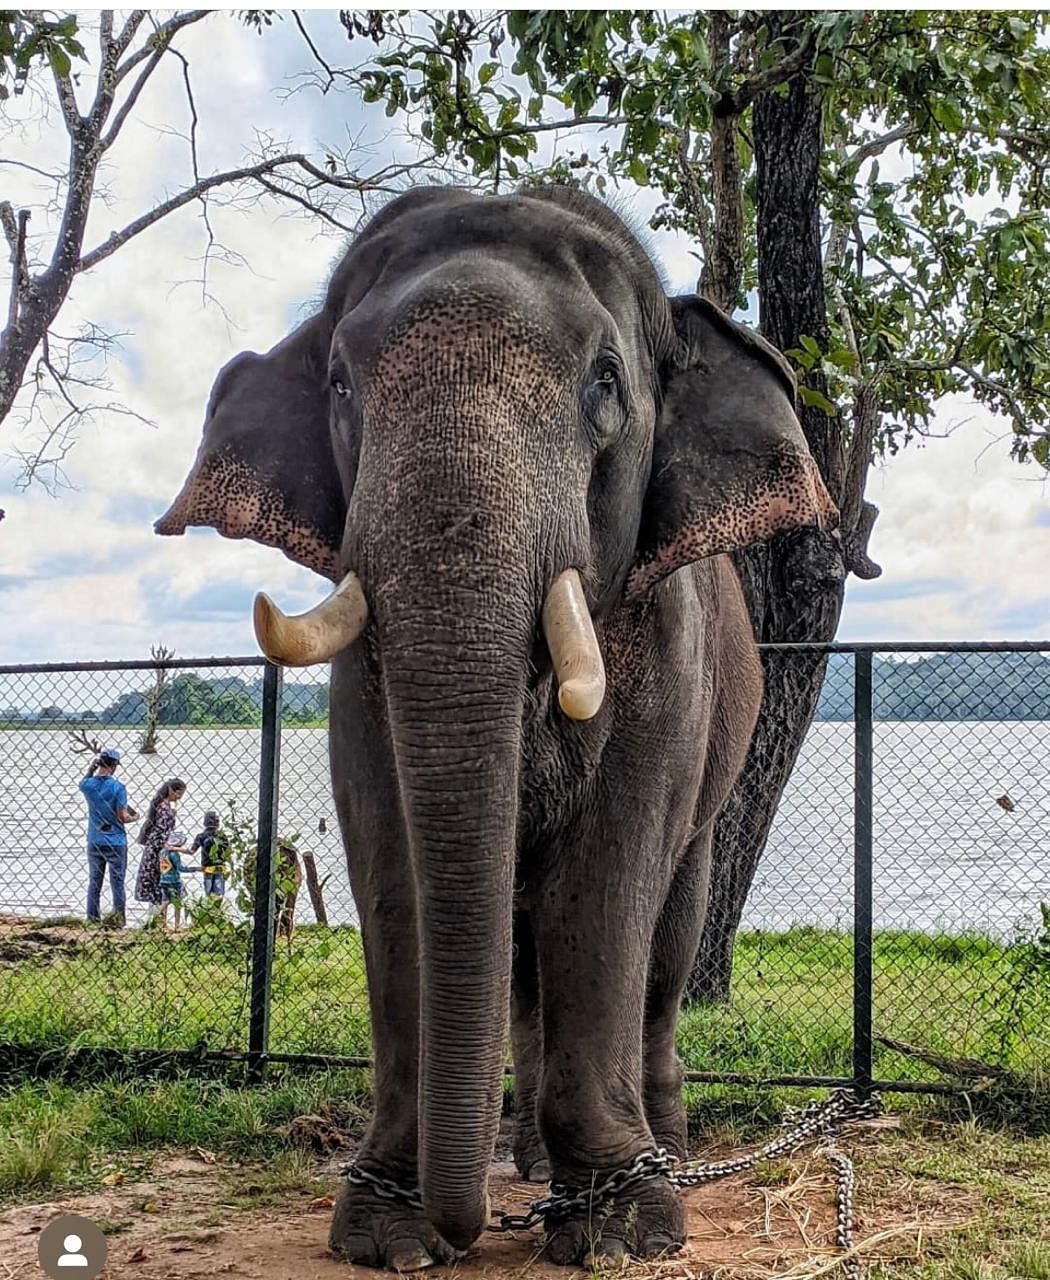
[(72, 1256), (72, 1246)]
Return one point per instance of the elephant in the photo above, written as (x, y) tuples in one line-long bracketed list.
[(523, 465)]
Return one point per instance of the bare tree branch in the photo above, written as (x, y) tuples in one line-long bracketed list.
[(21, 164), (313, 49), (876, 146), (68, 102), (51, 382), (159, 43), (10, 226), (164, 33), (18, 270), (127, 33), (227, 178), (323, 214)]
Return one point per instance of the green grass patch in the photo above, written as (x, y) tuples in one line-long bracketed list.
[(55, 1136), (791, 1010), (142, 988), (792, 1005), (1005, 1178)]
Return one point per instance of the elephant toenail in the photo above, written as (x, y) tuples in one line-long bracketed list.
[(608, 1251), (361, 1249), (408, 1257), (659, 1243), (540, 1171)]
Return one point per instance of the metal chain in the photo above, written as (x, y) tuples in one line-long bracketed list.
[(385, 1188), (815, 1120), (844, 1187)]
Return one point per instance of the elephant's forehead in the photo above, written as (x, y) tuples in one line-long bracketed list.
[(466, 336)]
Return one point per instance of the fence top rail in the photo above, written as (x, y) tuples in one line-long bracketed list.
[(911, 646), (846, 646), (134, 664)]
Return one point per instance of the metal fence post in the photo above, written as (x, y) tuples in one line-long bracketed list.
[(262, 921), (863, 762)]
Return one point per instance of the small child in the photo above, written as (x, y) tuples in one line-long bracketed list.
[(212, 844), (171, 869)]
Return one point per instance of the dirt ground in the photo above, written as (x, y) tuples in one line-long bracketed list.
[(180, 1225)]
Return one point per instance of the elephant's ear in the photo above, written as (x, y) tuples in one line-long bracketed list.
[(730, 463), (265, 468)]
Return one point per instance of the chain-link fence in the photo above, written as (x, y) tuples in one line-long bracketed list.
[(895, 913)]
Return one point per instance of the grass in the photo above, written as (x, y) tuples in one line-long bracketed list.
[(57, 1136), (791, 1011), (1006, 1177)]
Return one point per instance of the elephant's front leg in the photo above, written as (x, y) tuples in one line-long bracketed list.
[(594, 925), (368, 1228), (530, 1156)]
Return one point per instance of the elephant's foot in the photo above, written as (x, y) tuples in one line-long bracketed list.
[(375, 1232), (645, 1222)]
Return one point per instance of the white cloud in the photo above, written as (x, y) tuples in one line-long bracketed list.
[(83, 576), (963, 539)]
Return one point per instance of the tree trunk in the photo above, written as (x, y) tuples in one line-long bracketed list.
[(313, 887), (793, 584)]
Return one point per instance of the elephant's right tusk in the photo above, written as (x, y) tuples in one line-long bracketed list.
[(569, 632), (317, 635)]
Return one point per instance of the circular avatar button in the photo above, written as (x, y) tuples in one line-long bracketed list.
[(72, 1247)]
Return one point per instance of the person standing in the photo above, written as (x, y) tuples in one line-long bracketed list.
[(160, 822), (212, 845), (107, 841), (171, 869)]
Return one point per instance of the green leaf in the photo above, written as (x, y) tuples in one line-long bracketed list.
[(59, 60), (487, 72), (815, 400)]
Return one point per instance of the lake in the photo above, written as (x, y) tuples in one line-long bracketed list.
[(947, 856)]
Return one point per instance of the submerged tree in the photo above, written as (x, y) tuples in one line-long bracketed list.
[(876, 178), (154, 699)]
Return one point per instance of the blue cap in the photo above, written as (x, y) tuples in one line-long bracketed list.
[(110, 753)]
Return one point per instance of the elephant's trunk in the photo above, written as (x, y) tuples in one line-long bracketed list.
[(455, 694)]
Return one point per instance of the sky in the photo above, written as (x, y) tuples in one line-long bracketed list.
[(963, 536)]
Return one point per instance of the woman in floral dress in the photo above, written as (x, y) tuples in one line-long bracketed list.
[(160, 822)]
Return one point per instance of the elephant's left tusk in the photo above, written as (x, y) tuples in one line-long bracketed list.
[(317, 635), (569, 632)]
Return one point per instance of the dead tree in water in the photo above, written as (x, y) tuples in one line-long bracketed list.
[(82, 744), (154, 700)]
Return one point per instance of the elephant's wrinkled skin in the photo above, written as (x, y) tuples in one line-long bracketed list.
[(497, 390)]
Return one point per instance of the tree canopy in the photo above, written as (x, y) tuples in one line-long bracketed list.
[(936, 142)]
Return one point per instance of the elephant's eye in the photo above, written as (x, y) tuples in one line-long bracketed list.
[(604, 403), (340, 388)]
